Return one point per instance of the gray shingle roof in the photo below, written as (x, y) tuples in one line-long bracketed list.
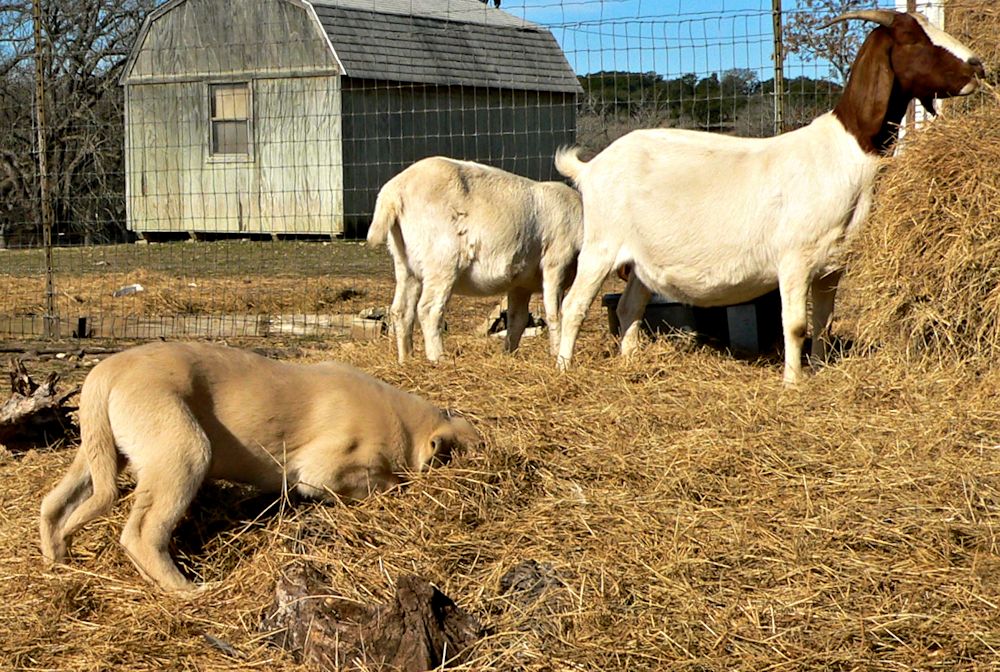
[(456, 42), (467, 11)]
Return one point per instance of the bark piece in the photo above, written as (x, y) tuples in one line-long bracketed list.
[(421, 629), (35, 413)]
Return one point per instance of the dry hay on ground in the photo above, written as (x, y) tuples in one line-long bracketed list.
[(694, 514), (698, 515), (167, 294), (926, 275)]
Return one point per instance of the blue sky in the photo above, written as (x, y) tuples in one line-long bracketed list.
[(671, 37)]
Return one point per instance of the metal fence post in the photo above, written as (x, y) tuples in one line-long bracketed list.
[(49, 319), (779, 69)]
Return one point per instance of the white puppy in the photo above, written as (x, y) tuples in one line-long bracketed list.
[(181, 413)]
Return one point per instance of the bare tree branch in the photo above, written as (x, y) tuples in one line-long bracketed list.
[(836, 45), (87, 42)]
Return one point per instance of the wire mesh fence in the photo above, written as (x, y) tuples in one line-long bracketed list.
[(207, 164)]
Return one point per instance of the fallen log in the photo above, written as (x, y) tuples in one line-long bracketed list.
[(35, 414), (421, 629)]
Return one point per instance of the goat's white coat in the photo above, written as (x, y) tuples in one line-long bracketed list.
[(711, 242), (714, 220), (461, 227)]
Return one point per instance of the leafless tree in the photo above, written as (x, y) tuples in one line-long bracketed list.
[(85, 45), (837, 44)]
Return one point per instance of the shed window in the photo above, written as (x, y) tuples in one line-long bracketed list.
[(230, 119)]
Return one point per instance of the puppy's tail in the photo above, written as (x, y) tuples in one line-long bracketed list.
[(89, 488), (97, 440)]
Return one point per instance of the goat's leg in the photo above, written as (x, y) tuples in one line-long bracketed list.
[(430, 309), (592, 270), (824, 291), (404, 310), (409, 314), (517, 316), (793, 284), (631, 308), (552, 295)]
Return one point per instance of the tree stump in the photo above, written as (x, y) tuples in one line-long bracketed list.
[(35, 413), (422, 629)]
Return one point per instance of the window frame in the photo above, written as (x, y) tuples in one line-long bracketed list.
[(210, 89)]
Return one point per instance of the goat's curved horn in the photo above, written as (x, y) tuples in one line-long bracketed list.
[(883, 17)]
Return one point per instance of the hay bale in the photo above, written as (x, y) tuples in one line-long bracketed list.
[(925, 272), (976, 22)]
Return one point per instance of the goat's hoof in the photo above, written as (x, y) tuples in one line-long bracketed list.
[(792, 379)]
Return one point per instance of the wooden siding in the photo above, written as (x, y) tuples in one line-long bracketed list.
[(208, 38), (387, 126), (299, 155), (291, 184)]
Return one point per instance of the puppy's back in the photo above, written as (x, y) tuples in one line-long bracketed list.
[(243, 399)]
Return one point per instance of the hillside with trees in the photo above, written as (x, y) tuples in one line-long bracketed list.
[(734, 101)]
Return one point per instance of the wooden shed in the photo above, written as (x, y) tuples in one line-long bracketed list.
[(285, 117)]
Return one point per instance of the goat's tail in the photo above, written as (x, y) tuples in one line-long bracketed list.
[(569, 164), (388, 208), (89, 488)]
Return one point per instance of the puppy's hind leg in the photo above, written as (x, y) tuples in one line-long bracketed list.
[(75, 488), (170, 465), (89, 488)]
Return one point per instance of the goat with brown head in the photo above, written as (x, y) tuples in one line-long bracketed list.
[(905, 58), (714, 220)]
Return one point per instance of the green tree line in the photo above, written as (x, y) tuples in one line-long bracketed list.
[(712, 102)]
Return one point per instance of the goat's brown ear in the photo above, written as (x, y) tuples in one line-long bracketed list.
[(872, 76)]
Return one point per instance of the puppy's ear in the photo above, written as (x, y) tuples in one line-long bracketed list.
[(439, 448), (454, 433), (465, 434)]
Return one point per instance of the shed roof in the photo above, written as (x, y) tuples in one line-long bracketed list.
[(465, 11), (450, 42), (456, 42)]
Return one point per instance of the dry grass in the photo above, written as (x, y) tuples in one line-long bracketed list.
[(975, 23), (214, 278), (927, 275), (166, 294), (700, 516)]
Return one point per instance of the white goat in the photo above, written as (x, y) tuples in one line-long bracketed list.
[(465, 228), (715, 220)]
